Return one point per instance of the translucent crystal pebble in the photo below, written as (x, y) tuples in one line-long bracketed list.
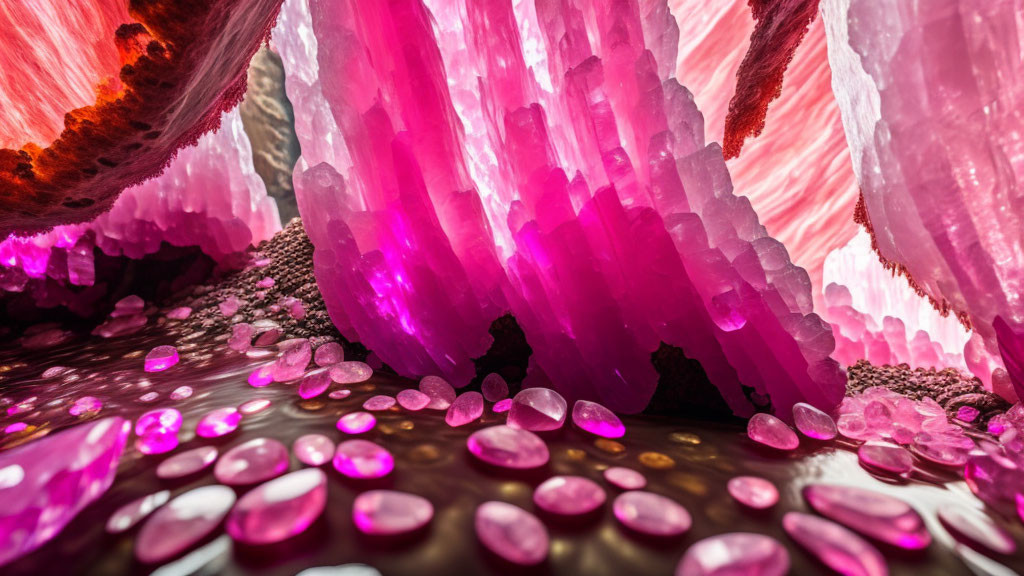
[(625, 478), (379, 403), (262, 376), (537, 409), (181, 393), (770, 431), (753, 492), (938, 450), (162, 419), (268, 337), (853, 427), (157, 442), (339, 394), (314, 384), (279, 509), (390, 512), (878, 516), (161, 358), (127, 516), (149, 397), (413, 400), (252, 462), (254, 406), (292, 364), (182, 523), (508, 447), (85, 405), (356, 422), (15, 427), (128, 306), (350, 372), (179, 313), (651, 514), (241, 337), (992, 477), (967, 414), (229, 306), (363, 459), (885, 457), (735, 553), (502, 406), (219, 422), (813, 423), (439, 391), (597, 419), (568, 495), (313, 449), (494, 387), (511, 533), (466, 408), (266, 282), (329, 354), (974, 527), (186, 463), (838, 548)]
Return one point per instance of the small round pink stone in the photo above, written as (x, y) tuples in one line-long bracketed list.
[(313, 449), (885, 457), (379, 403), (625, 478), (254, 406), (735, 553), (219, 422), (329, 354), (597, 419), (127, 516), (466, 408), (813, 423), (753, 492), (350, 372), (651, 514), (181, 392), (186, 463), (157, 442), (363, 459), (161, 420), (568, 495), (508, 447), (356, 422), (967, 414), (974, 527), (314, 384), (84, 405), (182, 523), (251, 462), (537, 409), (439, 391), (161, 358), (502, 406), (389, 512), (835, 546), (279, 509), (512, 533), (413, 400), (772, 432), (494, 387)]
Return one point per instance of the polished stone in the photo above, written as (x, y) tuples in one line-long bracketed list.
[(389, 512), (279, 509)]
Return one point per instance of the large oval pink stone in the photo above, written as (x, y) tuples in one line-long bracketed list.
[(974, 527), (885, 457), (508, 447), (279, 509), (813, 423), (439, 391), (182, 523), (350, 372), (568, 495), (329, 354), (389, 512), (772, 432), (625, 478), (753, 492), (219, 422), (537, 409), (161, 358), (879, 516), (363, 459), (254, 461), (314, 384), (160, 420), (835, 546), (127, 516), (735, 553), (356, 422), (186, 463), (651, 514), (597, 419), (413, 400), (313, 449), (494, 387), (466, 408), (511, 533)]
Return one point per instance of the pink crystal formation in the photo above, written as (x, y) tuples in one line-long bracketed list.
[(252, 462), (976, 528), (878, 516), (835, 546), (651, 514), (568, 495), (126, 517), (466, 408), (569, 182), (735, 553), (356, 422), (219, 422), (625, 478), (770, 431), (44, 484), (813, 423), (379, 403), (537, 409), (753, 492), (511, 533), (161, 358), (508, 447), (362, 459), (182, 523), (390, 512), (186, 463), (597, 419), (279, 509), (313, 449)]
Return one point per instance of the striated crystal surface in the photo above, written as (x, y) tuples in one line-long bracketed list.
[(279, 509)]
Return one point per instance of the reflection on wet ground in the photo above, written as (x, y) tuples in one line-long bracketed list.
[(687, 460)]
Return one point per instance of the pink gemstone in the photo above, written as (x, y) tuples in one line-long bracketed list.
[(268, 337), (127, 516), (974, 527), (439, 391), (16, 427), (84, 405), (835, 546), (254, 406), (537, 409), (161, 358), (241, 337), (378, 403), (770, 431), (967, 414), (568, 495), (412, 399), (494, 387), (625, 478), (186, 463), (313, 449), (511, 533), (853, 427), (813, 423), (181, 392), (128, 306), (651, 514), (508, 447), (350, 372), (502, 406), (230, 305), (266, 282), (293, 361), (261, 376), (466, 408), (597, 419), (389, 512), (179, 313), (157, 442), (735, 553), (219, 422), (251, 462), (279, 509), (329, 354), (163, 419), (182, 523), (314, 384), (363, 459), (356, 422), (885, 457), (339, 394), (884, 518), (992, 477), (939, 450), (753, 492)]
